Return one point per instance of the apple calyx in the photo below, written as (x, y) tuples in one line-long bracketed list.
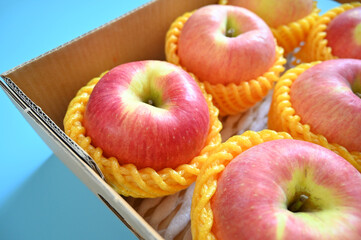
[(232, 29), (298, 203), (150, 102), (153, 98), (147, 89), (356, 86)]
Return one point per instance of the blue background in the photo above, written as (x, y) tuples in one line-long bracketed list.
[(39, 197)]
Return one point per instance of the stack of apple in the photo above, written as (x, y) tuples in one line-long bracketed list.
[(153, 115), (261, 188), (344, 78), (286, 189)]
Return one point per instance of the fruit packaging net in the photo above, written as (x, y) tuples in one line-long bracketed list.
[(170, 215)]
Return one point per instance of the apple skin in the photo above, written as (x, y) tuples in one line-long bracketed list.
[(277, 12), (205, 50), (343, 34), (324, 99), (121, 122), (255, 190)]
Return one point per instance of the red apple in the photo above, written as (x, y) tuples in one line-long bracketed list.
[(327, 98), (226, 44), (277, 12), (148, 113), (287, 189), (343, 34)]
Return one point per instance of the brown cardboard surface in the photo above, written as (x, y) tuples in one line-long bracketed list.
[(52, 80)]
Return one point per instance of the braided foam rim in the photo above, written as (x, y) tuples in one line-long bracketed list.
[(283, 117), (230, 99), (316, 48), (126, 179), (206, 184)]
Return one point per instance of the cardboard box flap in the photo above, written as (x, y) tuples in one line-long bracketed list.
[(52, 79)]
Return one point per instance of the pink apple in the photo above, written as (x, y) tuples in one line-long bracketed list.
[(287, 189), (327, 98), (148, 113), (343, 34), (277, 12), (226, 44)]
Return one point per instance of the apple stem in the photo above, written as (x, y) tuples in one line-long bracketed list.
[(356, 86), (230, 32), (296, 205), (150, 102)]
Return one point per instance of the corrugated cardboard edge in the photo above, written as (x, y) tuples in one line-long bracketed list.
[(77, 160), (80, 164), (15, 93)]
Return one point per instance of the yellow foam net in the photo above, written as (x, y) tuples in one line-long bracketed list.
[(315, 47), (126, 179), (206, 184), (290, 36), (283, 117), (230, 99)]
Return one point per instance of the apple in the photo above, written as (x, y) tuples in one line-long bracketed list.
[(343, 34), (327, 98), (277, 12), (287, 189), (226, 44), (149, 113)]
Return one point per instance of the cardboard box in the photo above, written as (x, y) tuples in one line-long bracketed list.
[(42, 88)]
